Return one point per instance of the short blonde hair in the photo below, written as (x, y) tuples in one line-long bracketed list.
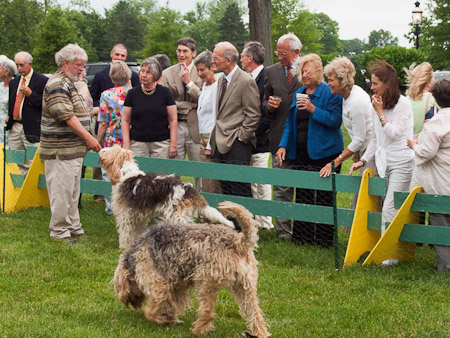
[(119, 73), (418, 78), (317, 66), (343, 69)]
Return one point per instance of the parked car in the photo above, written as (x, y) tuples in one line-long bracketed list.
[(439, 74), (93, 67)]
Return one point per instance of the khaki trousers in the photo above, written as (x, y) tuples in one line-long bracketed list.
[(150, 149), (208, 185), (63, 186)]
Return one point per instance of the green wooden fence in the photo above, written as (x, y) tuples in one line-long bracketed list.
[(289, 178)]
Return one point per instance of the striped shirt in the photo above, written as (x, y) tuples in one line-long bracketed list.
[(61, 101)]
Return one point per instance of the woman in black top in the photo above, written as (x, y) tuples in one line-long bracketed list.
[(149, 116)]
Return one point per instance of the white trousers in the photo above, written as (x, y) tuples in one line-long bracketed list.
[(262, 191), (398, 179)]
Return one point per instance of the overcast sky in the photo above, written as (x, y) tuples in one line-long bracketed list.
[(356, 18)]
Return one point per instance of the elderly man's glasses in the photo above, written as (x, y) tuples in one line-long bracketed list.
[(277, 53)]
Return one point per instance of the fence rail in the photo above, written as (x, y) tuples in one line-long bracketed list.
[(371, 219)]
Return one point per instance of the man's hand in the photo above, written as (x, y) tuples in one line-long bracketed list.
[(184, 74), (25, 90), (93, 144)]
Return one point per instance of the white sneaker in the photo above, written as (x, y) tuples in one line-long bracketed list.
[(390, 261)]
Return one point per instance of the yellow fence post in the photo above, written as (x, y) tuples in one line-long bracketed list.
[(30, 195), (11, 193), (362, 239), (389, 246)]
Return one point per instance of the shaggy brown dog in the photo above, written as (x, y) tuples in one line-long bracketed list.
[(167, 260), (137, 195)]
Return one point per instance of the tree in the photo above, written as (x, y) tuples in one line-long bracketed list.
[(398, 57), (125, 25), (53, 34), (353, 47), (202, 26), (329, 30), (289, 16), (259, 25), (215, 21), (164, 29), (19, 20), (381, 38), (434, 37), (232, 28)]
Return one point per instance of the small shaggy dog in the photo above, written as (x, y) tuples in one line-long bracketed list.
[(137, 195), (167, 260)]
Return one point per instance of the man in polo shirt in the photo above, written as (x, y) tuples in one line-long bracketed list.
[(65, 138)]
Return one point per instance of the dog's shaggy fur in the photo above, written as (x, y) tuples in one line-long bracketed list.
[(137, 195), (168, 259)]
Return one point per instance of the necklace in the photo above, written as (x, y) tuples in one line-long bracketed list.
[(148, 92)]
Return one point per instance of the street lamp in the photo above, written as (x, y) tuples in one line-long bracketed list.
[(417, 21)]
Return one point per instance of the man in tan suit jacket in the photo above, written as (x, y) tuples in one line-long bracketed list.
[(185, 85), (238, 115)]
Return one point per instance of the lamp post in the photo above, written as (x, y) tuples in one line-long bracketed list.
[(417, 21)]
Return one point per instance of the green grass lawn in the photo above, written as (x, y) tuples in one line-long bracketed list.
[(56, 289)]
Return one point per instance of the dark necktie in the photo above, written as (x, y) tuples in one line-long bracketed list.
[(290, 77), (223, 90)]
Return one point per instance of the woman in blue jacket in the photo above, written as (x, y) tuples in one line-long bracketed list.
[(312, 137)]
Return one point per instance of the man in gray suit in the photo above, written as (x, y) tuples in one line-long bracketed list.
[(281, 83), (185, 85), (238, 115)]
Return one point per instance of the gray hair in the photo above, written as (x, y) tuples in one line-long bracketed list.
[(26, 55), (8, 65), (229, 51), (256, 50), (343, 69), (294, 41), (163, 60), (204, 58), (154, 66), (119, 73), (70, 53)]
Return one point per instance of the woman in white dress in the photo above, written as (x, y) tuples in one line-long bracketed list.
[(393, 122), (206, 112)]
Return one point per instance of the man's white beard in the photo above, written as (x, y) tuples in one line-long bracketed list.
[(73, 77)]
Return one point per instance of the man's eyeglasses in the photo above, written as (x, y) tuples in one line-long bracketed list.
[(277, 53), (215, 58)]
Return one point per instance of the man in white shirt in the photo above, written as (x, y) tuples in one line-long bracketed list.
[(252, 59)]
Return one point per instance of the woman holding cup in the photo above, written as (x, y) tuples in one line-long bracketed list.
[(312, 137)]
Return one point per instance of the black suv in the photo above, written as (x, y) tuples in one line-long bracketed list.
[(93, 67)]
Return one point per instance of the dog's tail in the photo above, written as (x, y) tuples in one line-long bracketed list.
[(125, 286), (213, 216), (244, 218)]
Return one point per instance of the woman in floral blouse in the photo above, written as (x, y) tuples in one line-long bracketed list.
[(110, 114)]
